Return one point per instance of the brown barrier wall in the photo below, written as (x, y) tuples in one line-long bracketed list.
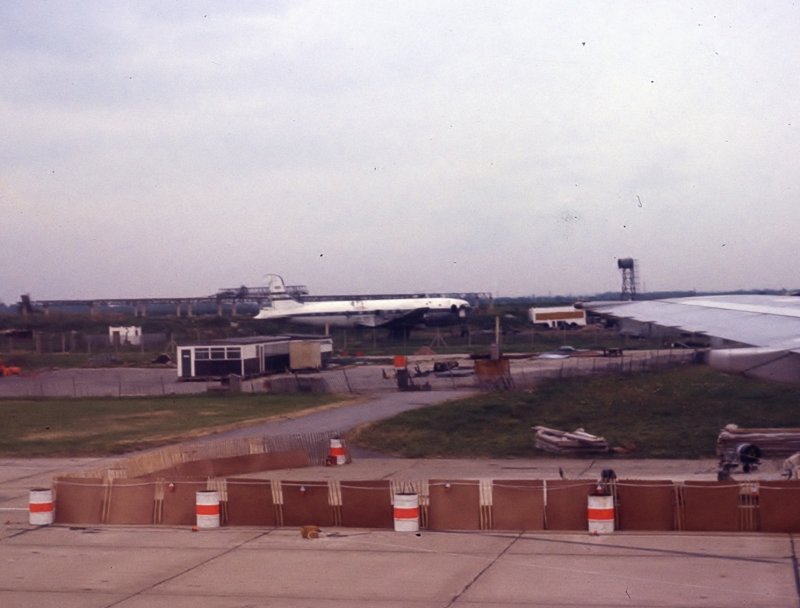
[(197, 468), (131, 501), (367, 504), (646, 505), (518, 504), (456, 507), (779, 506), (711, 506), (306, 503), (234, 465), (567, 503), (250, 503), (253, 463), (79, 501), (179, 503)]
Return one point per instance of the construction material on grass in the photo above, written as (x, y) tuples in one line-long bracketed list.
[(772, 442), (562, 442)]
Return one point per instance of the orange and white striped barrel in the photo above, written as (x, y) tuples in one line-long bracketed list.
[(600, 514), (336, 453), (406, 512), (41, 510), (207, 508)]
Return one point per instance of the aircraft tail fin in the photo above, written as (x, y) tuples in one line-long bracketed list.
[(279, 296), (275, 285)]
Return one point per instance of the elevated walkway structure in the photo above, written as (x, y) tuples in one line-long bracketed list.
[(230, 299)]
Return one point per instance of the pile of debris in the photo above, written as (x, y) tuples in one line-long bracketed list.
[(774, 443), (563, 442)]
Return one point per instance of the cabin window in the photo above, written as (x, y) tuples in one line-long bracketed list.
[(218, 353), (201, 353), (234, 352)]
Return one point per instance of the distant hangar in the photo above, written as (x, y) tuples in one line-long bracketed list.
[(249, 357)]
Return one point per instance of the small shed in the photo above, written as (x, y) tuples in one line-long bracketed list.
[(122, 336), (251, 356)]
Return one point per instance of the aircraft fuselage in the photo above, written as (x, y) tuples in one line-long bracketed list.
[(367, 313)]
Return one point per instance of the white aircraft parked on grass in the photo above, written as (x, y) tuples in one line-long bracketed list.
[(393, 313), (754, 335)]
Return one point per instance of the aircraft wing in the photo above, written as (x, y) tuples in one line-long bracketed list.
[(408, 318), (770, 325)]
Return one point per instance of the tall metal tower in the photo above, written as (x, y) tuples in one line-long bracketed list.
[(627, 267)]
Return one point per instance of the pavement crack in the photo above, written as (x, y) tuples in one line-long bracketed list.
[(657, 551), (187, 570), (795, 568), (484, 570)]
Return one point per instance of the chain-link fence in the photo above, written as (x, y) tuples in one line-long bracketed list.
[(420, 374)]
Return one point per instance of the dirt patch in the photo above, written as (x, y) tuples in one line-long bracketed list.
[(48, 435)]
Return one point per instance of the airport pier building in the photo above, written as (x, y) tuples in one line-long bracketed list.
[(250, 357)]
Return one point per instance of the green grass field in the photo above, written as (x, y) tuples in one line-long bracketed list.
[(81, 427), (669, 414)]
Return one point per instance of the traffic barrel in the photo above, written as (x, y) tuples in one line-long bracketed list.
[(41, 510), (406, 512), (207, 509)]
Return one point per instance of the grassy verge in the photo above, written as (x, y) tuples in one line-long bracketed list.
[(32, 361), (670, 414), (80, 427)]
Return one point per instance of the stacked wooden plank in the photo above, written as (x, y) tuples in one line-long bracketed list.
[(776, 443), (562, 442)]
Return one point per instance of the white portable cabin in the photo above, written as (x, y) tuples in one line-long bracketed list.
[(558, 316), (250, 357)]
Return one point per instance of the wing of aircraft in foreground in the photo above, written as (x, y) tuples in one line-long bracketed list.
[(752, 335)]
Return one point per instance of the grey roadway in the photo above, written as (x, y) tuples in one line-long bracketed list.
[(342, 418), (129, 567)]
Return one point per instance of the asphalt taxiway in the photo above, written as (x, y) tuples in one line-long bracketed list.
[(176, 568)]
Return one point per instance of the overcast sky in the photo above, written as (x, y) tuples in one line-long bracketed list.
[(173, 148)]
